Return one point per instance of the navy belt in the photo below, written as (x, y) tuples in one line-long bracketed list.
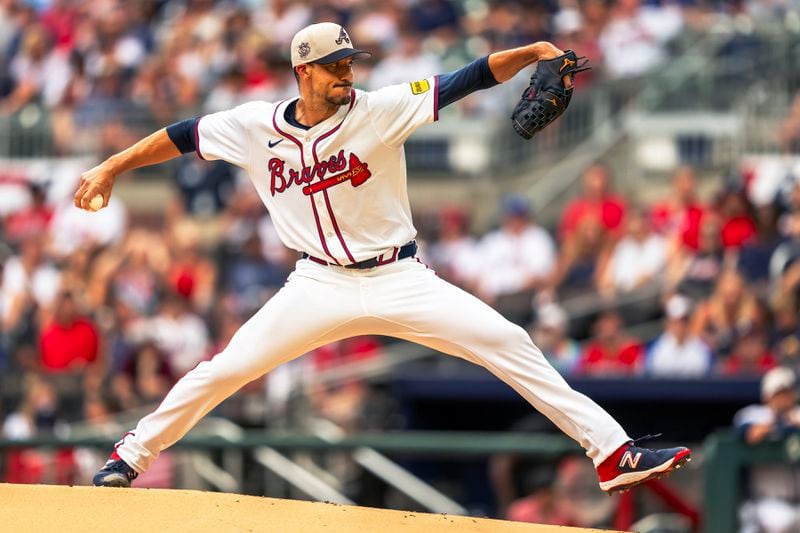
[(407, 250)]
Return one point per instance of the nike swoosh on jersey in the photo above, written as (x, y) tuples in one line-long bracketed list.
[(272, 144)]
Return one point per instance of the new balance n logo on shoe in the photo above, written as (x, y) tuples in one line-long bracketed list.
[(631, 465), (631, 460)]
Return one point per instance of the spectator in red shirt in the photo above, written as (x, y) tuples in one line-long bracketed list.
[(33, 219), (191, 275), (61, 21), (69, 341), (611, 351), (597, 202), (678, 216), (738, 225)]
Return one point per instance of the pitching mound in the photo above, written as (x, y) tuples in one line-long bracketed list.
[(41, 508)]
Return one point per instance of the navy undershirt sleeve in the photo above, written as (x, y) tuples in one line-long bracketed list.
[(456, 85), (183, 134)]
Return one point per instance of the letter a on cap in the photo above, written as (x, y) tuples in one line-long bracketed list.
[(342, 37)]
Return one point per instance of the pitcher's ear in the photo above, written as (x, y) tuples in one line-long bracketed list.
[(302, 71)]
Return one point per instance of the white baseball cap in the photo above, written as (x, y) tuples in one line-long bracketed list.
[(552, 315), (777, 380), (678, 306), (323, 43)]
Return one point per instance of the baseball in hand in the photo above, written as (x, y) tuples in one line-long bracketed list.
[(96, 203)]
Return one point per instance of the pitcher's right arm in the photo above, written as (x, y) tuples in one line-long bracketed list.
[(153, 149)]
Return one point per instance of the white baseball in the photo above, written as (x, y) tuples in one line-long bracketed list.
[(96, 203)]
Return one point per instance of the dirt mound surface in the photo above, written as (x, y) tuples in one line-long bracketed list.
[(42, 508)]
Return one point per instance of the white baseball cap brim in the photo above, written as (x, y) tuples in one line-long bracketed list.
[(777, 380), (323, 43)]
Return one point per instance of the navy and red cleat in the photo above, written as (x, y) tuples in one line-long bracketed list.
[(115, 473), (631, 465)]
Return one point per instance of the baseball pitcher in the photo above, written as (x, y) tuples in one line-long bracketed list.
[(330, 167)]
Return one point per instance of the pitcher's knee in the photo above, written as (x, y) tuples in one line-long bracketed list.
[(515, 344), (522, 337), (512, 337)]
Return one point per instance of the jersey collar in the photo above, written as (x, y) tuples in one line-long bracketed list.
[(330, 122)]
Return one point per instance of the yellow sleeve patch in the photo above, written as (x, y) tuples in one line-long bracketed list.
[(419, 87)]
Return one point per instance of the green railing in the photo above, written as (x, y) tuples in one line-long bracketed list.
[(406, 442), (726, 459)]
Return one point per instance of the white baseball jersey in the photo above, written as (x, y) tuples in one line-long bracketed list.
[(336, 191)]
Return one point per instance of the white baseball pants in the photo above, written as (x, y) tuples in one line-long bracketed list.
[(320, 304)]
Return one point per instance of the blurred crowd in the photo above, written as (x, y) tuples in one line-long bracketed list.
[(106, 70), (710, 281)]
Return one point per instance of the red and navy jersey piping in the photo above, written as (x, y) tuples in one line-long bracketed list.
[(299, 145)]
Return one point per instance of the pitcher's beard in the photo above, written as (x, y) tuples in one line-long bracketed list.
[(338, 100)]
